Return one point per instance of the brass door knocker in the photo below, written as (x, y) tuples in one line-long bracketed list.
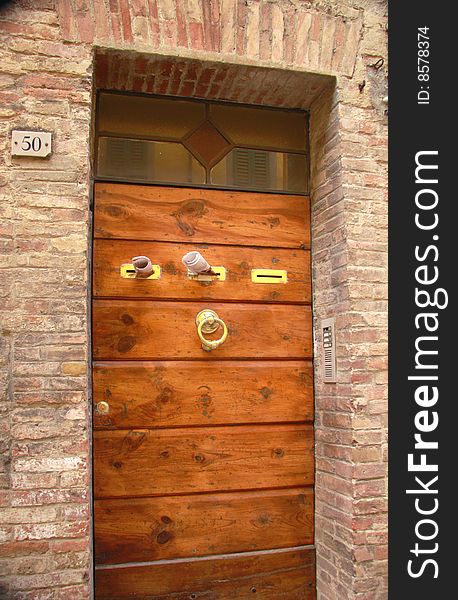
[(207, 321)]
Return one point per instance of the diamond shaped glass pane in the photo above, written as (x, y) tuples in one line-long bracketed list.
[(207, 144)]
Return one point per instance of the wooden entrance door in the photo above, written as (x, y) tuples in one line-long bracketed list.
[(203, 464)]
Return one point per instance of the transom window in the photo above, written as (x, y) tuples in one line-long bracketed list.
[(149, 139)]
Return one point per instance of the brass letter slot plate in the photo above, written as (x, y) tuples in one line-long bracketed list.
[(269, 276), (128, 272), (220, 275)]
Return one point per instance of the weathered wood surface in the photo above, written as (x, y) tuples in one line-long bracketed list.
[(280, 575), (141, 462), (181, 393), (201, 216), (238, 261), (143, 329), (144, 529), (204, 463)]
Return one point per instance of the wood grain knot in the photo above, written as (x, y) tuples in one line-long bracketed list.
[(264, 519), (126, 343), (133, 440), (193, 209), (170, 268), (273, 222), (164, 537), (114, 211), (279, 452), (266, 392), (165, 396)]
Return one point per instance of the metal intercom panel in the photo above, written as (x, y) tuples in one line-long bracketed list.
[(328, 328)]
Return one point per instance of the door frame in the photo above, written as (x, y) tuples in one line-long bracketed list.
[(319, 97)]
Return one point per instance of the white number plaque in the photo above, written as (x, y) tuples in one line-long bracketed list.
[(31, 143)]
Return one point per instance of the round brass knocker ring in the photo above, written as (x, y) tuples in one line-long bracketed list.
[(207, 321)]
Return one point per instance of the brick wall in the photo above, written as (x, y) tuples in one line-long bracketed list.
[(261, 51), (349, 277), (44, 511)]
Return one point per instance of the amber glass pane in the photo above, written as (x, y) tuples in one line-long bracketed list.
[(243, 168), (134, 116), (260, 127), (144, 161)]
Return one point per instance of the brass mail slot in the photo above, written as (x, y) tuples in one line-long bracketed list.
[(269, 276), (220, 275), (128, 272)]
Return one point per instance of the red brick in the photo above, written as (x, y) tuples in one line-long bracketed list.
[(166, 68), (265, 43), (289, 35), (151, 84), (369, 489), (187, 88), (138, 8), (101, 72), (68, 545), (74, 592), (49, 496), (102, 21), (240, 26), (196, 35), (86, 24), (154, 22), (211, 25), (67, 19), (46, 531), (138, 84), (13, 549), (169, 32), (126, 21), (176, 79), (116, 24), (182, 34), (372, 505)]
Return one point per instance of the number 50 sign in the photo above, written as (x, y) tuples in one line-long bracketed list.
[(31, 143)]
